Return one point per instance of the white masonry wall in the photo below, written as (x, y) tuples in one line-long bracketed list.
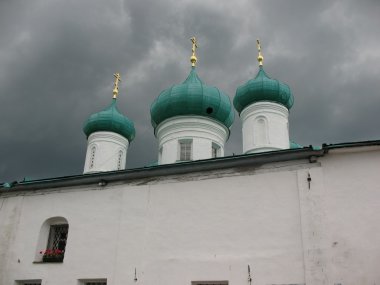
[(342, 232), (106, 151), (208, 226), (201, 131), (265, 127)]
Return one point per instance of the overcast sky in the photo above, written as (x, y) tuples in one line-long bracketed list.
[(57, 60)]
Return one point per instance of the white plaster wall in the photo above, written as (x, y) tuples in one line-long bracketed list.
[(277, 127), (352, 207), (202, 131), (108, 145), (209, 226), (340, 217), (172, 232)]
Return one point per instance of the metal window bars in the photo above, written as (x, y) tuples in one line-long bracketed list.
[(56, 243)]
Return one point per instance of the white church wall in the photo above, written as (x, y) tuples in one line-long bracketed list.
[(172, 232), (340, 217), (313, 226), (208, 226), (352, 203)]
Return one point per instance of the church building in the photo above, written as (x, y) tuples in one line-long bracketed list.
[(277, 214)]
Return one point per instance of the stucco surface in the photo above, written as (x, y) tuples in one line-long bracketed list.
[(208, 226), (273, 134)]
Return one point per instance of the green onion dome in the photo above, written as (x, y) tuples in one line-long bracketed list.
[(110, 120), (263, 88), (192, 97)]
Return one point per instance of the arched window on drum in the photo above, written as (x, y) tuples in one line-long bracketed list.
[(260, 131)]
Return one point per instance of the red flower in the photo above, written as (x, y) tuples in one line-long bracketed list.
[(52, 252)]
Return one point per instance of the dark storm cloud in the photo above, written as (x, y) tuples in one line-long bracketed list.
[(57, 59)]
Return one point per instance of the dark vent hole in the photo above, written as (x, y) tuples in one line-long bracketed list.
[(209, 110)]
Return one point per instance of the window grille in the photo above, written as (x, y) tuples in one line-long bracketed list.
[(58, 237), (56, 243), (185, 150), (96, 283), (34, 283)]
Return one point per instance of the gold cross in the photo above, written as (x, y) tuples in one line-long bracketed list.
[(194, 41), (116, 85), (260, 57), (193, 58)]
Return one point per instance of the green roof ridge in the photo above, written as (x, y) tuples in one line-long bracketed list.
[(192, 77)]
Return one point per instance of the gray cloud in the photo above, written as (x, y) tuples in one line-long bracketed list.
[(57, 59)]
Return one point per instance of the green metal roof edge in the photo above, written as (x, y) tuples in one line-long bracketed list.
[(183, 167), (326, 146), (166, 167)]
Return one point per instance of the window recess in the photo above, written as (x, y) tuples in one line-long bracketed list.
[(185, 148), (55, 250), (93, 281), (29, 282)]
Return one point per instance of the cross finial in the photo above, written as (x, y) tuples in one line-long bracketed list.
[(260, 57), (193, 58), (116, 85)]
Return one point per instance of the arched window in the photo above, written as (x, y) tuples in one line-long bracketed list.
[(92, 156), (260, 131), (215, 150), (120, 159), (160, 154), (52, 240)]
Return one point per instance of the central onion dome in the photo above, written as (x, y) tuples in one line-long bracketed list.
[(110, 120), (263, 88), (192, 97)]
